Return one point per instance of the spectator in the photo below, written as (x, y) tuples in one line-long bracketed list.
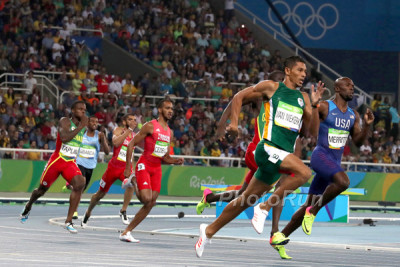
[(33, 155), (395, 120), (30, 82), (115, 86)]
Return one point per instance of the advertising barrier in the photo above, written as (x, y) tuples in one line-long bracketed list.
[(24, 176)]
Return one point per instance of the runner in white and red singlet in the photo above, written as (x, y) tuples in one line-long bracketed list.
[(157, 137), (115, 168)]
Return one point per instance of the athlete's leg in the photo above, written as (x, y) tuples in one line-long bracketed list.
[(301, 174), (253, 192), (96, 197), (36, 194), (297, 218), (78, 183), (127, 197), (226, 196), (149, 198), (277, 209), (340, 183), (88, 176)]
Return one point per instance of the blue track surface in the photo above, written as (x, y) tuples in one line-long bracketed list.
[(168, 241)]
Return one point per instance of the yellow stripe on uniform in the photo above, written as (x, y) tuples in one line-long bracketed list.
[(268, 120), (47, 167)]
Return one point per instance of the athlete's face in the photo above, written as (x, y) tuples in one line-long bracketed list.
[(93, 123), (131, 122), (79, 110), (345, 88), (297, 73), (167, 110)]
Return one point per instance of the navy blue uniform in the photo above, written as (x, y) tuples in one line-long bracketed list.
[(332, 137)]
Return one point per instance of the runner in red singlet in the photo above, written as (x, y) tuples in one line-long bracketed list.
[(157, 136), (115, 168), (62, 161)]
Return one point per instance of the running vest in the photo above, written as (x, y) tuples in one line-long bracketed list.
[(119, 153), (69, 150), (156, 145), (283, 117), (89, 151), (335, 129)]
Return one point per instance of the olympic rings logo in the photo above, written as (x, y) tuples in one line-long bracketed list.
[(304, 25)]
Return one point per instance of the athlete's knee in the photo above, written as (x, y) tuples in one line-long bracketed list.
[(305, 174), (343, 183)]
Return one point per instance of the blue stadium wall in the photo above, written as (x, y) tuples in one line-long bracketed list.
[(358, 38)]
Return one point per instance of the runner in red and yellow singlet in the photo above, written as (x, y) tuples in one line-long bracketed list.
[(115, 168), (62, 162), (157, 137)]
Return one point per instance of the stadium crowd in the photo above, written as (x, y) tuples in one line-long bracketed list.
[(183, 40)]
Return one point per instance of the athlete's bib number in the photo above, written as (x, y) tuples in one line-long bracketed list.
[(337, 138), (69, 150), (122, 154), (160, 149), (87, 152), (288, 116)]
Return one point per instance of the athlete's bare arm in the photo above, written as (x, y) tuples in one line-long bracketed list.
[(66, 134), (311, 114), (225, 116), (167, 157), (103, 143), (147, 129), (119, 136), (359, 135), (263, 90)]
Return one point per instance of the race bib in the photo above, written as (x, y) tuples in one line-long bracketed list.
[(337, 138), (69, 150), (122, 153), (87, 152), (160, 149), (288, 116)]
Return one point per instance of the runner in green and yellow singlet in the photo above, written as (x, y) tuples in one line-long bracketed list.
[(286, 112)]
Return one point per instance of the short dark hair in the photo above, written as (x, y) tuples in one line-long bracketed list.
[(274, 75), (166, 99), (76, 103), (291, 61), (125, 117)]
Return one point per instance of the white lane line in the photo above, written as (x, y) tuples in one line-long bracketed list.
[(376, 218), (54, 221)]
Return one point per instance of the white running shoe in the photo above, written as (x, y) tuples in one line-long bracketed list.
[(70, 227), (259, 219), (85, 220), (124, 218), (202, 241), (128, 238)]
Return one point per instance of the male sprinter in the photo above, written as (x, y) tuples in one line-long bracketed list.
[(92, 142), (337, 122), (285, 109), (115, 168), (69, 139), (227, 196), (210, 197), (157, 137)]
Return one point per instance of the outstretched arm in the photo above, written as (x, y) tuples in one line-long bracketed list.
[(139, 137), (103, 143), (360, 135), (312, 112), (262, 90)]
